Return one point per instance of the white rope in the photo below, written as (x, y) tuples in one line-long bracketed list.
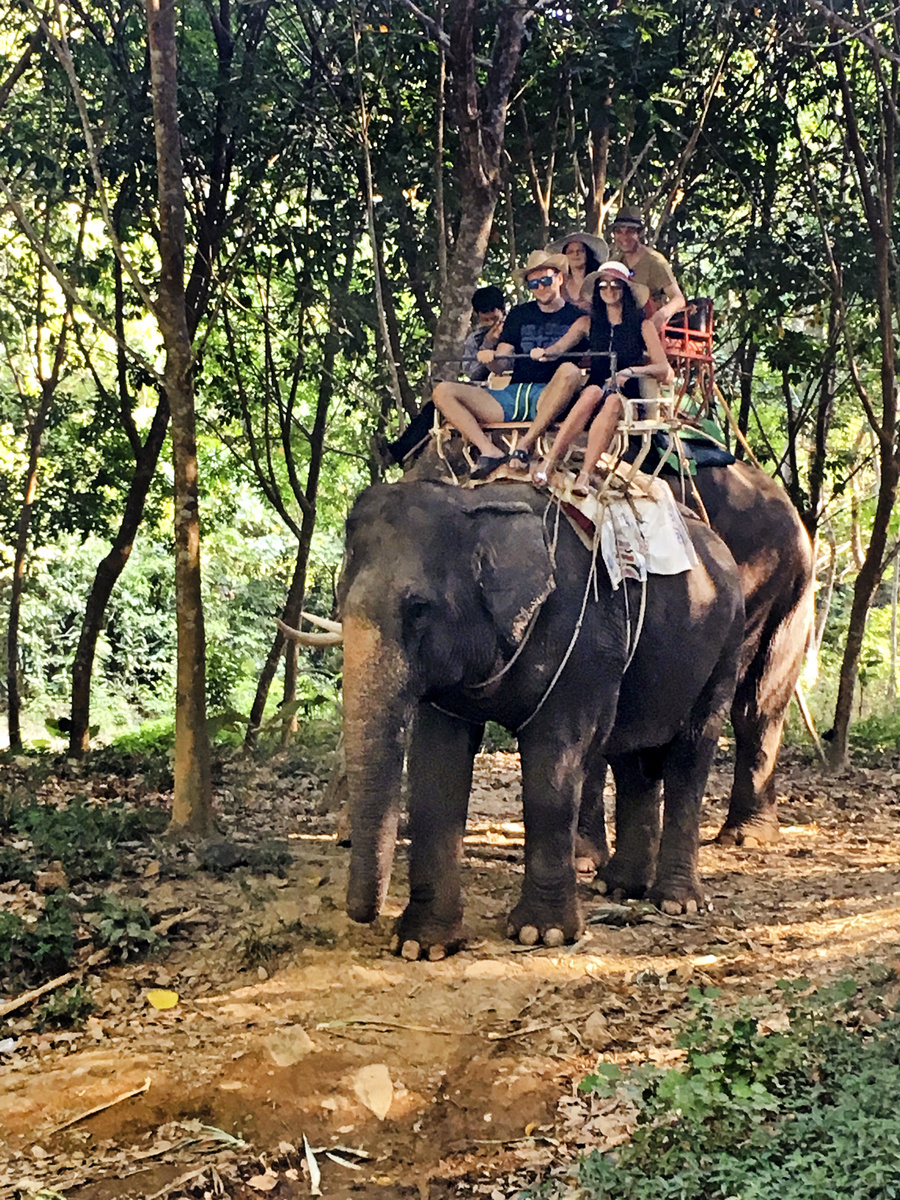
[(574, 638)]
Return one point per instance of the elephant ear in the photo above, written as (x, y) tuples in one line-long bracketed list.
[(512, 564)]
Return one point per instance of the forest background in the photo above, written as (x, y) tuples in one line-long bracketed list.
[(351, 171)]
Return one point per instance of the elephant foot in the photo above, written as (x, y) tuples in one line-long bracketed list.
[(752, 834), (620, 881), (589, 857), (530, 928), (419, 937), (678, 898)]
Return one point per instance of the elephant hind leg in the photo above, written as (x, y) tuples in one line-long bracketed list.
[(757, 715), (632, 868), (591, 844)]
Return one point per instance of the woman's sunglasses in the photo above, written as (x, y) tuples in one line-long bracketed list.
[(611, 285)]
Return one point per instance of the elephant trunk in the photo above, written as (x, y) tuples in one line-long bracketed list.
[(375, 715)]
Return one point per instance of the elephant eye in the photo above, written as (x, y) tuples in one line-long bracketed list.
[(414, 609)]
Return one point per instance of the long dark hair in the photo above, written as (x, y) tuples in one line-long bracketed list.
[(631, 314), (591, 261)]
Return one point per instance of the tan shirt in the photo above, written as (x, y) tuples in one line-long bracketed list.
[(654, 272)]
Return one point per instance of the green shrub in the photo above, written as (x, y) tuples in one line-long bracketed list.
[(39, 951), (805, 1114), (83, 836), (65, 1009), (123, 926)]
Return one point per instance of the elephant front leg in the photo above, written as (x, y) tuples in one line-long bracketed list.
[(439, 770), (548, 908), (632, 868)]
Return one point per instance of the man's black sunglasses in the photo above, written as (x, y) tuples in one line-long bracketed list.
[(534, 284)]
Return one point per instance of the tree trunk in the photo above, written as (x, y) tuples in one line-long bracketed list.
[(877, 204), (192, 805), (824, 408), (480, 112), (210, 231), (35, 437), (106, 577)]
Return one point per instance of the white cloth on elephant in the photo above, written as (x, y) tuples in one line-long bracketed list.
[(639, 535)]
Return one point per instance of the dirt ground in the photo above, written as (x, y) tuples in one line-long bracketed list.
[(307, 1059)]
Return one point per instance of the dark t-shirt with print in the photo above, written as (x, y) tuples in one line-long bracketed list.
[(527, 326)]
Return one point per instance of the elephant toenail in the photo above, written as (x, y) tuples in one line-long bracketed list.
[(554, 937), (436, 953), (671, 907), (410, 951), (528, 935)]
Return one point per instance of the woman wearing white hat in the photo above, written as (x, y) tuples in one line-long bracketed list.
[(617, 327)]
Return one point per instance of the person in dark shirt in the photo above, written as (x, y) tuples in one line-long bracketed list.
[(539, 322), (620, 333), (489, 307)]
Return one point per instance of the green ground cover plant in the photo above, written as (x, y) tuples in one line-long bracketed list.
[(82, 836), (808, 1112)]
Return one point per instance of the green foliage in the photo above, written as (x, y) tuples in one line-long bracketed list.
[(878, 733), (808, 1113), (124, 926), (15, 865), (36, 951), (83, 835), (65, 1009)]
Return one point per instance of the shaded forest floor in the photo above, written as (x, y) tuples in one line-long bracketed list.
[(454, 1078)]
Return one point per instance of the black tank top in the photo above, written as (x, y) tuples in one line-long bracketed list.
[(627, 342)]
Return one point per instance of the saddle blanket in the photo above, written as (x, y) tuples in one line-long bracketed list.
[(639, 535)]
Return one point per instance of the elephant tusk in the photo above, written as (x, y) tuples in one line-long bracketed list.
[(309, 639), (323, 622)]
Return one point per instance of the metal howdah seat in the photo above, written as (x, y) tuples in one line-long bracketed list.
[(688, 342)]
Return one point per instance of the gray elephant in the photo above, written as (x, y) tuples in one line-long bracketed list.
[(458, 607), (760, 526)]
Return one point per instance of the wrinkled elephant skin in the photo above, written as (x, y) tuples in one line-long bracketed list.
[(455, 612)]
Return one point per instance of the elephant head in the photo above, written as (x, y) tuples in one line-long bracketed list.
[(438, 587)]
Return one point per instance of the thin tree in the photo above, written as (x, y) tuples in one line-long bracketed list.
[(192, 805)]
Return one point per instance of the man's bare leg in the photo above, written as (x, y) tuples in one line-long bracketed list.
[(567, 379), (467, 408)]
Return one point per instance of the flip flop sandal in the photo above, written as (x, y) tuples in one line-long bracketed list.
[(486, 465), (582, 485), (522, 456), (541, 476)]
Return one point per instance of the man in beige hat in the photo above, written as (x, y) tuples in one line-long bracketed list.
[(648, 267), (539, 322)]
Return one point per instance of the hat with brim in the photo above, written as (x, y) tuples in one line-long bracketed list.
[(628, 218), (541, 258), (615, 270), (595, 244)]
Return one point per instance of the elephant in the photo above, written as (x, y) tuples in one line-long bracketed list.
[(460, 606), (760, 526), (755, 518)]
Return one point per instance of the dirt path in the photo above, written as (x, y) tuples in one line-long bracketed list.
[(425, 1079)]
